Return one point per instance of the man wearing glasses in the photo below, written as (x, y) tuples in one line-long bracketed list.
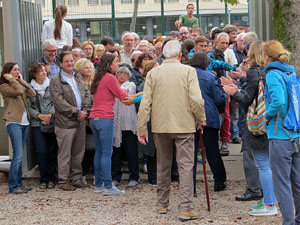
[(184, 33), (187, 20), (49, 58)]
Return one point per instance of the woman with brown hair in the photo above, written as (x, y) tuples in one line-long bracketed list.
[(42, 111), (58, 29), (15, 91)]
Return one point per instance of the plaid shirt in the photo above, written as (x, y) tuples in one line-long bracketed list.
[(54, 67)]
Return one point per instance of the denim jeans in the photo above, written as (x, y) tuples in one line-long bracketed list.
[(18, 135), (103, 131), (46, 150), (262, 162)]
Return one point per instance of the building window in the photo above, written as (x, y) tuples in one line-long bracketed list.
[(141, 1), (93, 2), (173, 0), (126, 1), (60, 2), (105, 2), (73, 2), (157, 1), (42, 2)]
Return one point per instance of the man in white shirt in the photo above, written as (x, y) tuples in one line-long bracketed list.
[(128, 42)]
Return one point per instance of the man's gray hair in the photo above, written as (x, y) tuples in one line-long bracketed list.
[(172, 49), (126, 34), (47, 43), (252, 36), (82, 53), (135, 35), (241, 36), (124, 69), (223, 34)]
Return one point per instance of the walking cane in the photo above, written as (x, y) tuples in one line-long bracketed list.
[(204, 170)]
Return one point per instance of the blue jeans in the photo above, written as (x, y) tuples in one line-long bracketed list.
[(46, 150), (103, 131), (18, 135), (262, 162)]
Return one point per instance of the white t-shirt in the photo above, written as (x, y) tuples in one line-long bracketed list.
[(66, 33), (24, 120)]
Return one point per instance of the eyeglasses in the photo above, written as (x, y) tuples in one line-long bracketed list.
[(51, 51), (122, 73), (184, 33)]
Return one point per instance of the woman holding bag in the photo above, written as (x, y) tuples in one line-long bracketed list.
[(41, 110), (15, 91), (257, 144)]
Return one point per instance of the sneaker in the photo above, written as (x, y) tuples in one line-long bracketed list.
[(264, 211), (236, 140), (99, 190), (112, 191), (145, 170), (161, 210), (67, 187), (51, 185), (18, 191), (43, 186), (26, 188), (224, 145), (188, 215), (154, 184), (132, 183), (257, 206), (224, 152)]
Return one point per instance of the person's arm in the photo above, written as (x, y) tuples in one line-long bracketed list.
[(195, 22), (115, 88), (70, 35), (29, 91), (179, 22), (45, 31), (221, 65), (276, 93), (12, 89)]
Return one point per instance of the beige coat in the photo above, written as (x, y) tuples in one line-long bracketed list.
[(15, 94), (173, 98)]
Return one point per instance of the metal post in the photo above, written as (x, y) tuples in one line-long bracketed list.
[(197, 8), (53, 7), (229, 15), (162, 18), (113, 19), (226, 12)]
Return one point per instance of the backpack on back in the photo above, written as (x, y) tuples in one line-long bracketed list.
[(291, 120)]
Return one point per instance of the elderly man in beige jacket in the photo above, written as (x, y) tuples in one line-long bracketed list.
[(173, 98)]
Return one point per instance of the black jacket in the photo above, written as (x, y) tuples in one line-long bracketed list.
[(218, 55), (246, 98)]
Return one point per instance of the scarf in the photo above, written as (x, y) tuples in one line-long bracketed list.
[(40, 89)]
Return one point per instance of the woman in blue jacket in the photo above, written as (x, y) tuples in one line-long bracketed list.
[(285, 161), (214, 98)]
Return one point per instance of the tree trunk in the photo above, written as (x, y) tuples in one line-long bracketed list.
[(134, 15), (286, 20)]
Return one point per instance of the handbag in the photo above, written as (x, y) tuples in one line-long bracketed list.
[(45, 129), (255, 114)]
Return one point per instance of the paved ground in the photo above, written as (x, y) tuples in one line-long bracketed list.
[(136, 206)]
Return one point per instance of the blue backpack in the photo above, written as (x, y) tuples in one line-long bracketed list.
[(291, 120)]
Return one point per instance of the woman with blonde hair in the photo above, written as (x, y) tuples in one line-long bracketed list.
[(284, 158), (257, 145), (86, 68), (58, 29), (89, 50)]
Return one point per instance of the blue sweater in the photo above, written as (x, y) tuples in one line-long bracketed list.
[(277, 100), (213, 97)]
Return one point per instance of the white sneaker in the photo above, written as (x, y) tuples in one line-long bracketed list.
[(132, 183), (99, 190), (113, 191), (264, 211)]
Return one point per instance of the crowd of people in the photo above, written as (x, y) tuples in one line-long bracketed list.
[(92, 105)]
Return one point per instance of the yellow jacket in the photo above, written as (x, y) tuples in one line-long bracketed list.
[(173, 97)]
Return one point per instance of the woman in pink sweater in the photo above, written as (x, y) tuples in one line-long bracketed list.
[(105, 89)]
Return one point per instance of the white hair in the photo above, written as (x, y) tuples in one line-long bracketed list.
[(126, 34), (172, 49), (82, 53), (223, 34), (135, 35), (47, 43), (241, 36), (135, 52)]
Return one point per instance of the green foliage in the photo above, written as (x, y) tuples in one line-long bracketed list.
[(280, 22), (232, 2)]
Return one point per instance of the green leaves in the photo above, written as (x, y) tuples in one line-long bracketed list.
[(232, 2)]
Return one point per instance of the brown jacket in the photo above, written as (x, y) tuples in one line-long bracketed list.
[(62, 95), (173, 98), (15, 94)]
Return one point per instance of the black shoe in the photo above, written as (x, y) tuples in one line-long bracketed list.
[(220, 187), (236, 140), (248, 197)]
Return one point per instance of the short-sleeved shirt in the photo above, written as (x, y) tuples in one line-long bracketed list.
[(189, 23)]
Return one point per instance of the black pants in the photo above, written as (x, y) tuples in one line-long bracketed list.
[(210, 139), (129, 146), (152, 169)]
